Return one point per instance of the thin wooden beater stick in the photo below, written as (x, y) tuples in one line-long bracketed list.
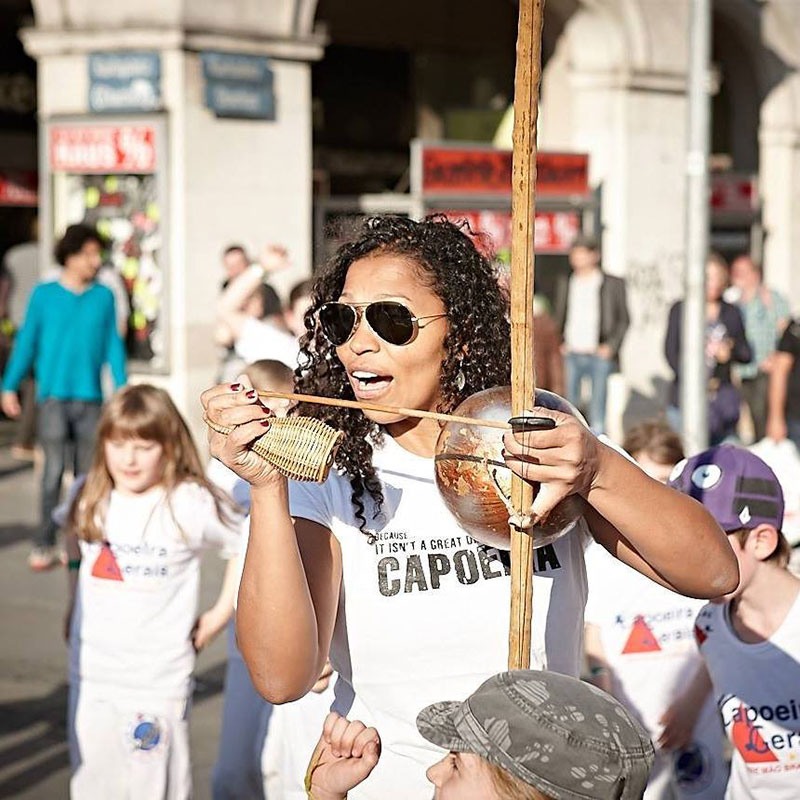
[(406, 412), (523, 208)]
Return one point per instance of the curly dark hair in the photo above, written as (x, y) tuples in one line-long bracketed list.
[(477, 342)]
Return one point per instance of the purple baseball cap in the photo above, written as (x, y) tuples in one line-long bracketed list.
[(735, 485)]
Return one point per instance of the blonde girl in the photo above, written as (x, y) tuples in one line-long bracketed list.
[(135, 528)]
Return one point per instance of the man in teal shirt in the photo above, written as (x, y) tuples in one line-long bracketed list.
[(68, 334)]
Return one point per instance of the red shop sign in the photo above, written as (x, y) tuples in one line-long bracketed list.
[(19, 188), (554, 231), (462, 171), (733, 193), (103, 148)]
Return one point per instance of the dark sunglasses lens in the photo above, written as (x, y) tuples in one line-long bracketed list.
[(337, 321), (391, 321)]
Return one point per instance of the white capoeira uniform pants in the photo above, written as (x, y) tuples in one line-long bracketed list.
[(127, 747)]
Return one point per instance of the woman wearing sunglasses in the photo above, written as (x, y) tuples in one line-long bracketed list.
[(370, 566)]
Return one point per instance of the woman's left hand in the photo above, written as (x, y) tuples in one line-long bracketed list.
[(564, 460)]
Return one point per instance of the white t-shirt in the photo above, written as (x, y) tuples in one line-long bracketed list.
[(423, 613), (647, 633), (582, 326), (136, 601), (259, 339), (757, 689)]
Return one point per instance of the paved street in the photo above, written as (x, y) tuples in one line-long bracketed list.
[(33, 690)]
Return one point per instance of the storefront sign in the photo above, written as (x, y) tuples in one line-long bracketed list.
[(19, 188), (554, 231), (123, 82), (103, 148), (734, 194), (239, 85), (448, 170)]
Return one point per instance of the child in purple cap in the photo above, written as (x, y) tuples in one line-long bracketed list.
[(750, 638)]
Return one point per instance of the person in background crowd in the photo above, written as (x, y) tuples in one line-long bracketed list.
[(253, 731), (246, 716), (750, 639), (244, 319), (725, 343), (548, 359), (136, 527), (234, 262), (21, 273), (783, 420), (263, 303), (766, 315), (299, 303), (69, 333), (522, 735), (640, 647), (592, 315)]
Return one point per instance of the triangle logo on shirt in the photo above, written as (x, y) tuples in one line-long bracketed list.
[(748, 741), (699, 634), (105, 566), (641, 639)]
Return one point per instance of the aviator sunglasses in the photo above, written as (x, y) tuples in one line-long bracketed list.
[(390, 320)]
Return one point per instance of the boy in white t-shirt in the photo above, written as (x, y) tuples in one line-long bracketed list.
[(640, 647), (750, 639)]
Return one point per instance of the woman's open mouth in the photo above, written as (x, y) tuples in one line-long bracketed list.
[(368, 385)]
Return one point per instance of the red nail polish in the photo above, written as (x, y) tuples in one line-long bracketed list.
[(266, 423), (235, 387), (251, 395), (266, 410)]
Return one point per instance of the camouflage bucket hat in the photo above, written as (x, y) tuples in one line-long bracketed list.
[(564, 737)]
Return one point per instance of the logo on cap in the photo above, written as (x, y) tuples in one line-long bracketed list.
[(706, 476)]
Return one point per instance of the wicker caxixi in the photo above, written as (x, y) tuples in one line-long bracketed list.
[(301, 448)]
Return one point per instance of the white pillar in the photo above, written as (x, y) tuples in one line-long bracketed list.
[(247, 181)]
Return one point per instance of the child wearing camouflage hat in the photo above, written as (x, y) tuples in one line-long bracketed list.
[(523, 735), (750, 638)]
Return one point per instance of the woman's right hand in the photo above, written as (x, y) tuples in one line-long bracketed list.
[(238, 406)]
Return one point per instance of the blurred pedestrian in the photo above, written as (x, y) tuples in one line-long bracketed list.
[(783, 419), (295, 311), (22, 272), (523, 735), (750, 638), (766, 315), (725, 343), (250, 320), (547, 355), (135, 530), (246, 716), (592, 316), (68, 335), (262, 303), (639, 642)]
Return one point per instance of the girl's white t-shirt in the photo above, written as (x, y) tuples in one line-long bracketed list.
[(757, 690), (424, 611), (647, 632), (136, 601)]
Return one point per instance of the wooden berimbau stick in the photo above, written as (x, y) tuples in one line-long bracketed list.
[(405, 412), (526, 108)]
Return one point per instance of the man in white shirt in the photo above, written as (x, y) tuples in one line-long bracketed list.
[(592, 315)]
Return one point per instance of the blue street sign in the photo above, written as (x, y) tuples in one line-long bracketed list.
[(239, 85), (124, 81)]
